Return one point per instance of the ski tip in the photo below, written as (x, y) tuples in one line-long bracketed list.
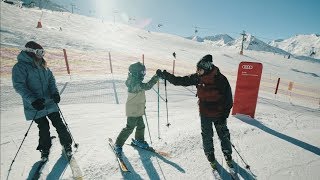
[(216, 174), (79, 178), (124, 169)]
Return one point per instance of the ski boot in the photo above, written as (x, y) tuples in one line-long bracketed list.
[(213, 165), (140, 143), (44, 154), (229, 161), (68, 150), (214, 170), (232, 170), (211, 158), (118, 150)]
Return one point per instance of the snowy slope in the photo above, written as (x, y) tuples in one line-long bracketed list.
[(281, 143), (47, 4), (300, 45)]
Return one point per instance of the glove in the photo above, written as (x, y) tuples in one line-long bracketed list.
[(56, 97), (38, 104), (159, 73), (165, 74)]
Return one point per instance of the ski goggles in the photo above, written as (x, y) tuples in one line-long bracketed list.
[(38, 52), (138, 74)]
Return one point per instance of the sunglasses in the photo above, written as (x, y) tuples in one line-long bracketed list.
[(38, 52)]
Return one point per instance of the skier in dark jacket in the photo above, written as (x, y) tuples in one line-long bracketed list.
[(34, 81), (215, 102)]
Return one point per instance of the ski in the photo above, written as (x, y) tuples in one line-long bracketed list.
[(151, 149), (75, 168), (253, 176), (38, 171), (122, 164), (41, 165), (233, 173), (216, 174)]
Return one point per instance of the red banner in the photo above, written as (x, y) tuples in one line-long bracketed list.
[(247, 88)]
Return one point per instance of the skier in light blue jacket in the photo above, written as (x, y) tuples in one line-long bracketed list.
[(34, 81)]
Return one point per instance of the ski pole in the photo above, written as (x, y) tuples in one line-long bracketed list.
[(165, 89), (145, 115), (247, 166), (76, 145), (25, 135)]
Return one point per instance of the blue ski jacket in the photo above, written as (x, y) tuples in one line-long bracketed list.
[(33, 82)]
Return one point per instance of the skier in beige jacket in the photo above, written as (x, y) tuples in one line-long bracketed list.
[(135, 106)]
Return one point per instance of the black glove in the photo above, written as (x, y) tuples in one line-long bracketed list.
[(165, 74), (56, 97), (38, 104), (159, 73)]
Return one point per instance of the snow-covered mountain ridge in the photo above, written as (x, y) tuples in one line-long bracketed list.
[(301, 45), (304, 47)]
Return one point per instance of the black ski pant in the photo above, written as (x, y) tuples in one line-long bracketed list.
[(44, 131), (207, 136)]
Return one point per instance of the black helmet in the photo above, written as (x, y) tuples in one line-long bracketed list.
[(205, 63), (137, 70)]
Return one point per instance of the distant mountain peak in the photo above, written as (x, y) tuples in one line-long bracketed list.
[(195, 38), (301, 45), (219, 39)]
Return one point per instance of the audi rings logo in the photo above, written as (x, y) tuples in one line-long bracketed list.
[(246, 66)]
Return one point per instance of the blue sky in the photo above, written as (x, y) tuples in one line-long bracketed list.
[(266, 19)]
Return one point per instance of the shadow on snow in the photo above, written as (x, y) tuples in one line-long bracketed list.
[(149, 167), (297, 142)]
